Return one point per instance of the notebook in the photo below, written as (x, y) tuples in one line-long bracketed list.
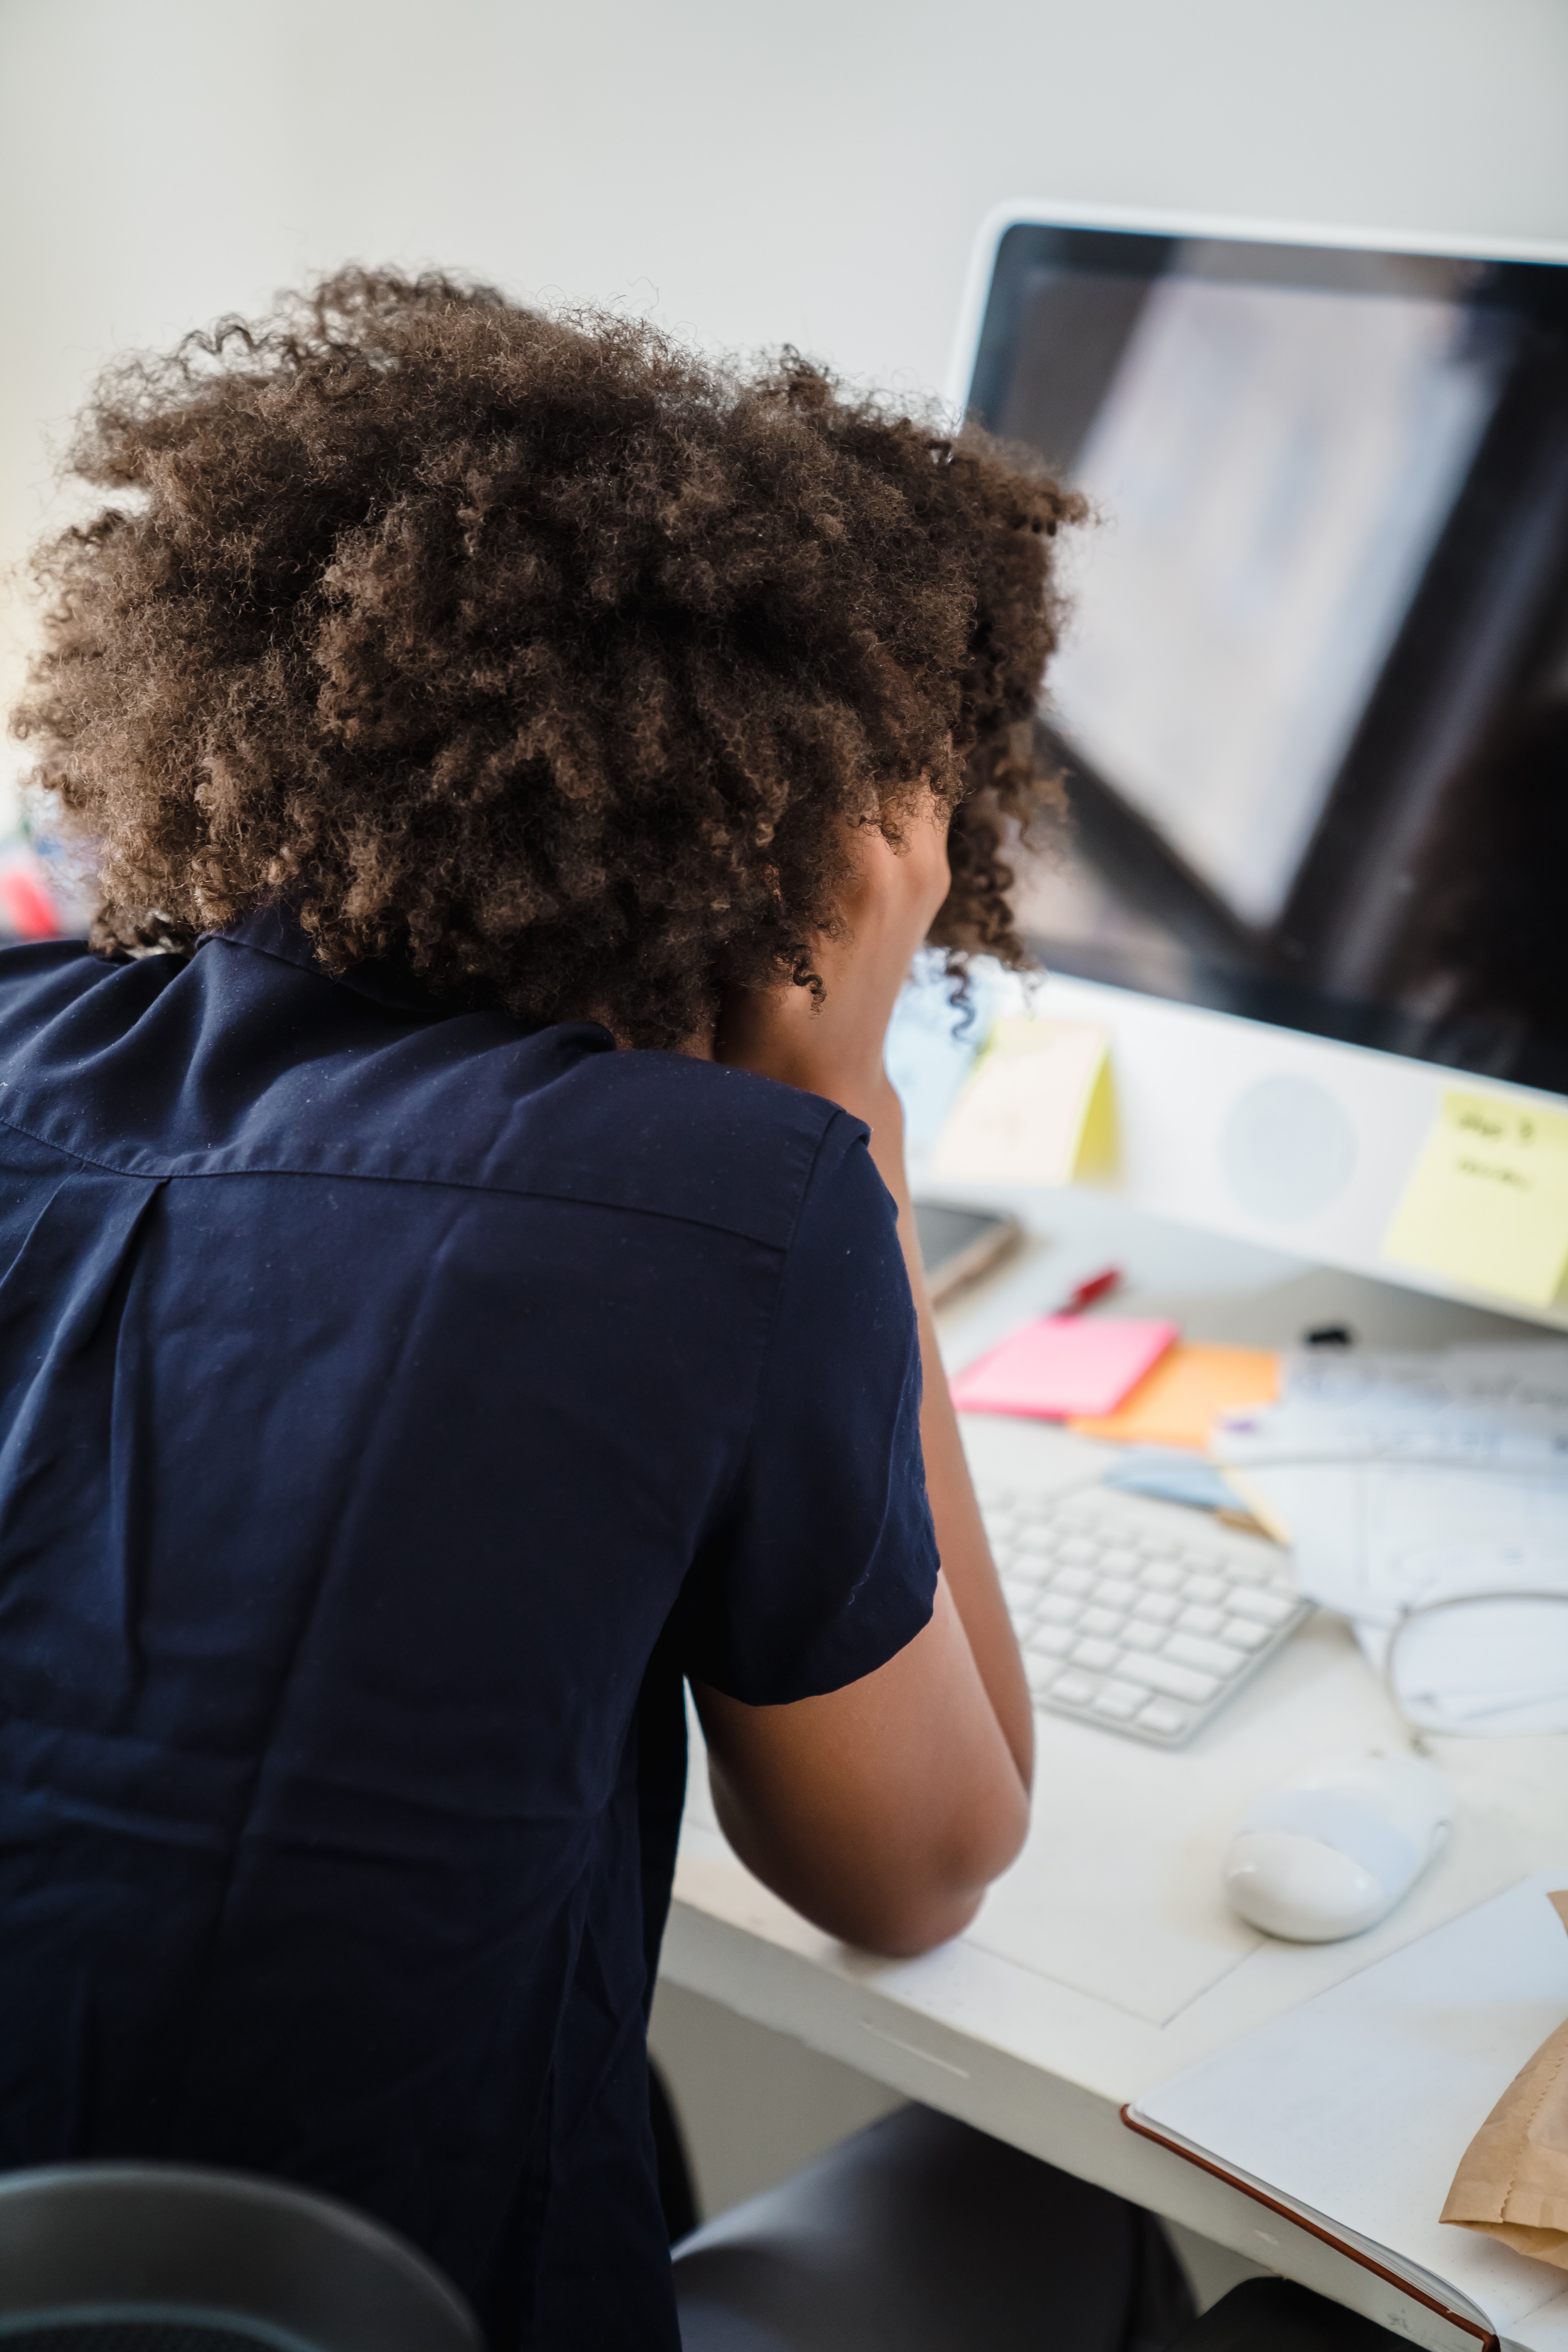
[(1351, 2113)]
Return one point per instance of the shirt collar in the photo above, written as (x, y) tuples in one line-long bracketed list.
[(275, 931)]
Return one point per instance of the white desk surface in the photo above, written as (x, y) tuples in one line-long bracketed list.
[(1107, 1960)]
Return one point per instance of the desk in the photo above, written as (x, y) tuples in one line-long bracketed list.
[(1107, 1960)]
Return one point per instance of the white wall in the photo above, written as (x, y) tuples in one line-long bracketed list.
[(811, 172)]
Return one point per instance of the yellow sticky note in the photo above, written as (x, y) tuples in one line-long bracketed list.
[(1488, 1202), (1037, 1107), (1178, 1403)]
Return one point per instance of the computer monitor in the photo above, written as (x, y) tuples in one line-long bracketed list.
[(1311, 707)]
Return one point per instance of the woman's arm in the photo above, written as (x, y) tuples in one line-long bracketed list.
[(966, 1562), (882, 1810)]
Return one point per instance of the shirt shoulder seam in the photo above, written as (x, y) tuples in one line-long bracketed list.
[(424, 1184)]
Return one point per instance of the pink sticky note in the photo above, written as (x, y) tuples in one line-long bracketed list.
[(1062, 1365)]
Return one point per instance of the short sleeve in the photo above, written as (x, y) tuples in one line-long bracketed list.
[(823, 1563)]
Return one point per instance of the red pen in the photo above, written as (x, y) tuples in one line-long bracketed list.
[(1088, 1293)]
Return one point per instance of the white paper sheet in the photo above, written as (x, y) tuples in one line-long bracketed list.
[(1399, 1479), (1358, 2105), (1373, 1538)]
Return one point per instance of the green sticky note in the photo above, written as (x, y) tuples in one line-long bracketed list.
[(1486, 1204)]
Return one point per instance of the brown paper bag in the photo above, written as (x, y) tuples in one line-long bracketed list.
[(1512, 2182)]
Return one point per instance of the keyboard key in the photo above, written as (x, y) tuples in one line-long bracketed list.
[(1263, 1608), (1212, 1657), (1249, 1571), (1049, 1642), (1119, 1700), (1072, 1690), (1141, 1633), (1242, 1634), (1155, 1607), (1099, 1657), (1172, 1681), (1162, 1714), (1161, 1576)]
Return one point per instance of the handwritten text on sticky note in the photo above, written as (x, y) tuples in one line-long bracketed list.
[(1486, 1204), (1036, 1108)]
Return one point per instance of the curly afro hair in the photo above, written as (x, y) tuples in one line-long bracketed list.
[(531, 652)]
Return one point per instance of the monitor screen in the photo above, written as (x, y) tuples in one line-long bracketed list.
[(1312, 706)]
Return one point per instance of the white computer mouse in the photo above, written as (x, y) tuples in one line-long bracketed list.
[(1333, 1850)]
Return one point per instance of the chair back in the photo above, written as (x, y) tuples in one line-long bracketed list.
[(169, 2258)]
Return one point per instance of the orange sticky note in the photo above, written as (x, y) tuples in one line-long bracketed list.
[(1177, 1403)]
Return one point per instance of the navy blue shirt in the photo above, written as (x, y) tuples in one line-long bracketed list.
[(395, 1405)]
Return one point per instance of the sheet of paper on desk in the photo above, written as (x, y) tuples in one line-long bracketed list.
[(1487, 1202), (1357, 2106), (1398, 1478), (1373, 1538)]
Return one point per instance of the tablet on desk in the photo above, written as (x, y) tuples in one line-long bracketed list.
[(958, 1245)]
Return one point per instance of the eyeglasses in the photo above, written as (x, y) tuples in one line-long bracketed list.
[(1481, 1663)]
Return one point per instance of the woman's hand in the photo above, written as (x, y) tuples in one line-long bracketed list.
[(833, 1045)]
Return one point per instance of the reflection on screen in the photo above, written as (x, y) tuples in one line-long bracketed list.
[(1273, 465)]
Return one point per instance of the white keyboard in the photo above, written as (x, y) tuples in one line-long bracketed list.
[(1141, 1616)]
